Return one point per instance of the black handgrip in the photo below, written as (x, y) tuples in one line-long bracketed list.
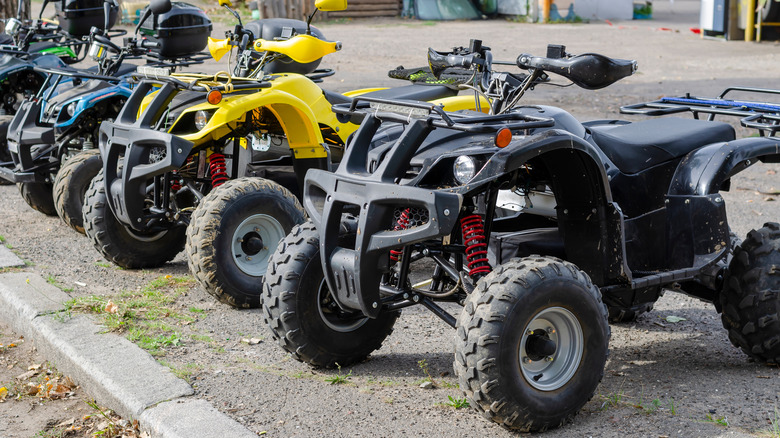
[(146, 44), (439, 61), (590, 70), (104, 40)]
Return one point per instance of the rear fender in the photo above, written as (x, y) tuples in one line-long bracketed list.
[(590, 222), (696, 214)]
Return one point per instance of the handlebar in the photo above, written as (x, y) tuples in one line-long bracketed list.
[(590, 70)]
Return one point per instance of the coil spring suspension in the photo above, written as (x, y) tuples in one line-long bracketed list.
[(473, 228), (175, 182), (400, 224), (217, 169)]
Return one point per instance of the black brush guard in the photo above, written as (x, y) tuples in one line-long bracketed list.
[(352, 273), (125, 146)]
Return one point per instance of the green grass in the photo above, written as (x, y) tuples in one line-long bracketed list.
[(185, 372), (148, 316), (339, 379), (103, 264), (612, 400), (456, 402), (774, 424), (720, 421)]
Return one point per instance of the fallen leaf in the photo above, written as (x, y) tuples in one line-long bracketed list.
[(674, 319), (68, 382), (32, 389), (111, 307), (66, 423), (3, 393), (168, 277), (35, 366)]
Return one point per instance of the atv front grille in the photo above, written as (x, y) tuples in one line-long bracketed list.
[(409, 217)]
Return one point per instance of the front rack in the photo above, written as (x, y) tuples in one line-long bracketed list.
[(762, 116), (405, 111)]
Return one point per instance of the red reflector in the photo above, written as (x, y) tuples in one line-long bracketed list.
[(214, 97), (503, 137)]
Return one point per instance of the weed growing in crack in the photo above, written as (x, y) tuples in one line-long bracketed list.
[(457, 402), (339, 379)]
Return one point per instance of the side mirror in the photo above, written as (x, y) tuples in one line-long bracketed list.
[(225, 3), (330, 5), (160, 6)]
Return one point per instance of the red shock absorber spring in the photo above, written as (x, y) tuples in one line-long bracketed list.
[(400, 224), (473, 228), (175, 182), (217, 169)]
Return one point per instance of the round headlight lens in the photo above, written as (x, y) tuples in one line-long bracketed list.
[(70, 109), (464, 168), (201, 119)]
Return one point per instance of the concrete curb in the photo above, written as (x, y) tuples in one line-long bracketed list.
[(116, 372)]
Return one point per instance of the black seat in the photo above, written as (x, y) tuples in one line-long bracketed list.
[(419, 92), (638, 146)]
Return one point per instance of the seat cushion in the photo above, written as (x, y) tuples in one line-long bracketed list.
[(638, 146)]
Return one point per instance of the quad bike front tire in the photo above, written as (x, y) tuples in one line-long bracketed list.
[(303, 317), (233, 233), (38, 195), (118, 243), (532, 342), (5, 154), (751, 295), (71, 184)]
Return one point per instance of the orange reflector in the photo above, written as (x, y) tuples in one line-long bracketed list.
[(503, 137), (214, 97)]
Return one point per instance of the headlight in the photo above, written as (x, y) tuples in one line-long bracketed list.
[(201, 119), (464, 168), (71, 109), (12, 26)]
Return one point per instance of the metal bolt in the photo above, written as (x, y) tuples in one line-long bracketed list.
[(548, 359), (406, 296), (416, 298), (550, 330), (179, 150), (718, 199), (446, 211), (527, 359), (687, 201), (529, 332), (138, 220), (249, 258), (566, 211), (375, 305), (329, 198)]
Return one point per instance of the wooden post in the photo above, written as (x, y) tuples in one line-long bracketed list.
[(546, 10)]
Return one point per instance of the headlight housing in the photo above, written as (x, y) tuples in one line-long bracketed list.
[(12, 26), (70, 109), (202, 119), (464, 168)]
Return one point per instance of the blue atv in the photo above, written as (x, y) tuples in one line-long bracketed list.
[(53, 137)]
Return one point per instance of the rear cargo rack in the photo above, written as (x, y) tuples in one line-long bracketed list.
[(762, 116)]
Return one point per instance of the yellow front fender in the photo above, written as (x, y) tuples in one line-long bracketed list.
[(296, 118)]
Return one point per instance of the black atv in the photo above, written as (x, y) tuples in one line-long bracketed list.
[(541, 227)]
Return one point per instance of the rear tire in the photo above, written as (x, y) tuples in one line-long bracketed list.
[(234, 232), (71, 184), (38, 196), (751, 295), (117, 243), (304, 319), (532, 342)]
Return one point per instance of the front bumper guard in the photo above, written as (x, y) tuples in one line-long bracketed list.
[(126, 150), (30, 145), (352, 273)]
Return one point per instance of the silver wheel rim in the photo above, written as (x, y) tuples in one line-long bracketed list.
[(551, 372), (329, 312), (250, 254)]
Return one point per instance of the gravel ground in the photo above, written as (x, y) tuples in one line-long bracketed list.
[(703, 385)]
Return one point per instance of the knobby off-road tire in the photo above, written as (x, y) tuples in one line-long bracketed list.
[(532, 343), (751, 295), (303, 318), (233, 233), (5, 154), (38, 196), (120, 245), (71, 184)]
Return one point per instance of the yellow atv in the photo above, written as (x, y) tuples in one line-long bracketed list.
[(226, 154)]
